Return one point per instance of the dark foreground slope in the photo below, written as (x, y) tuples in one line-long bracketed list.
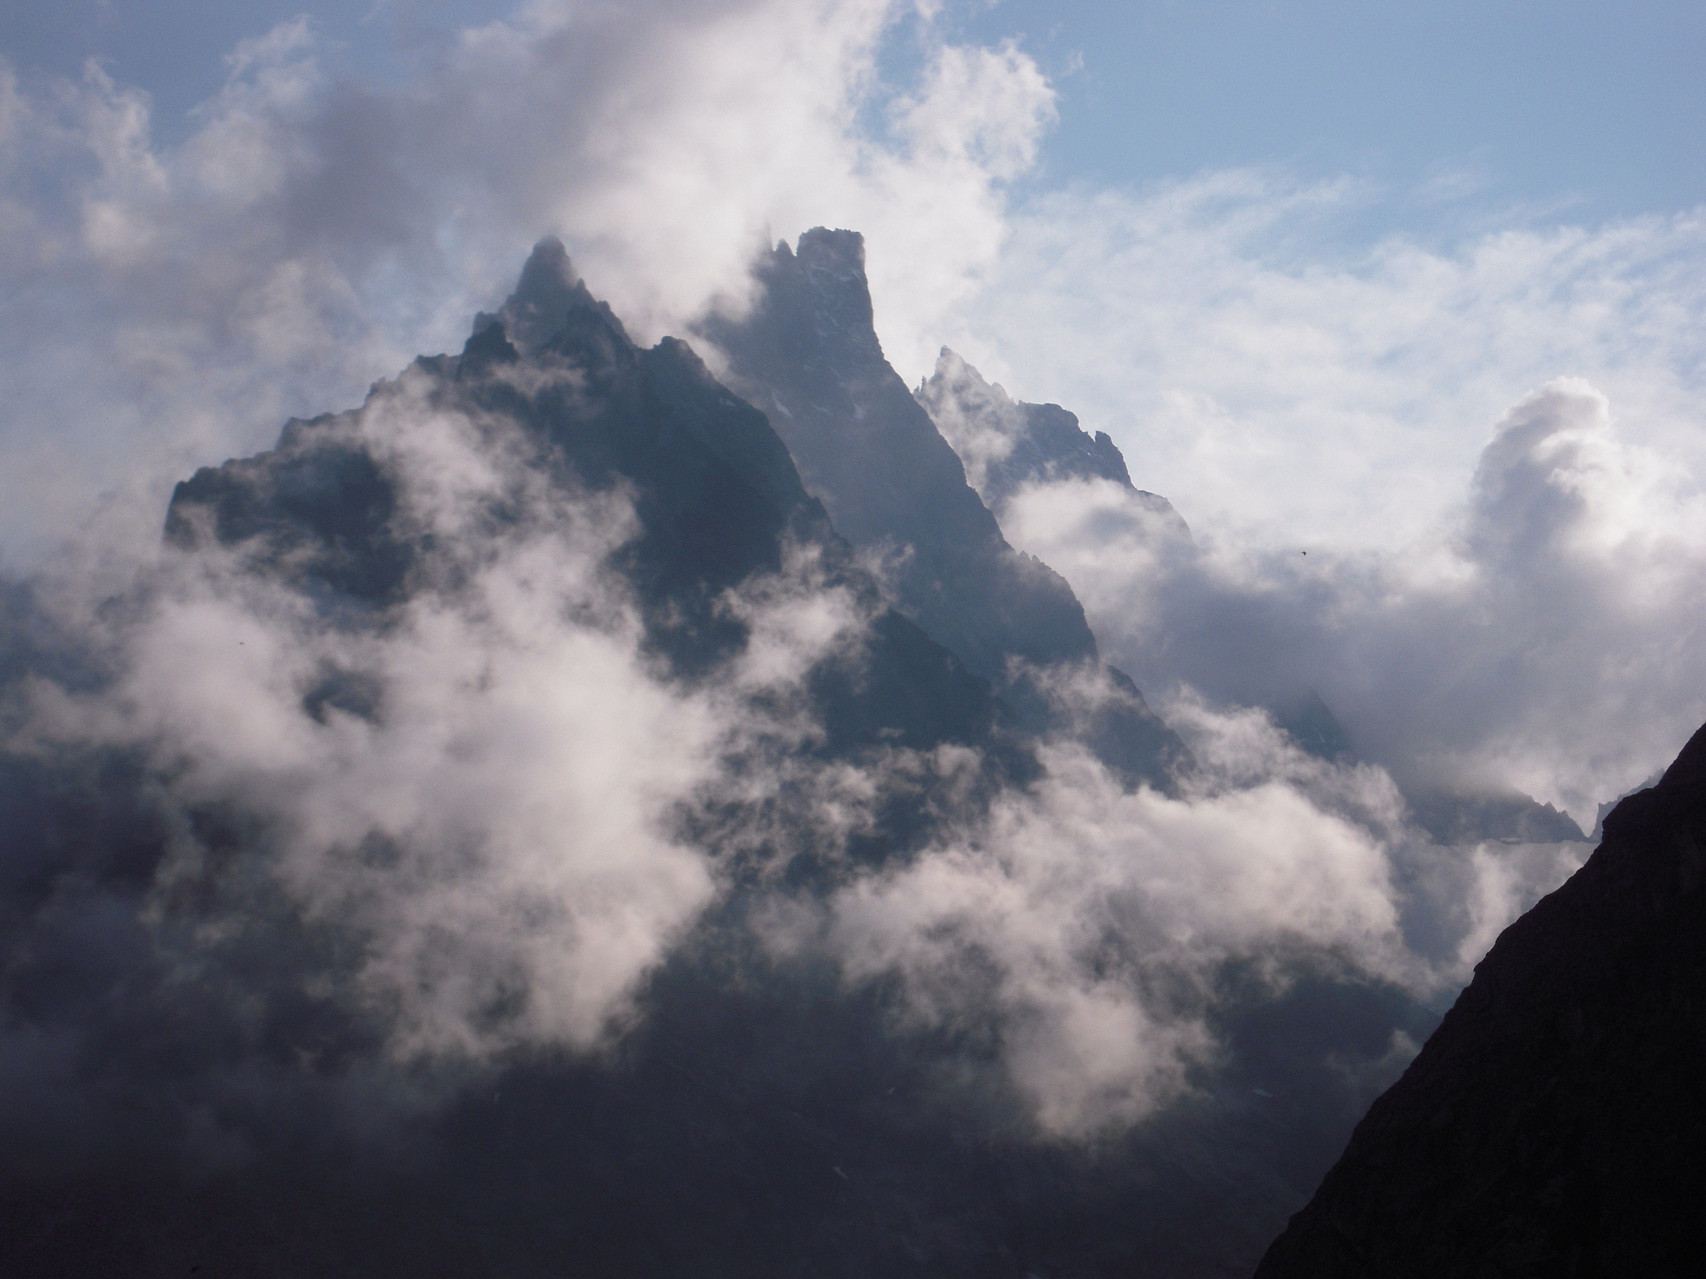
[(1553, 1125)]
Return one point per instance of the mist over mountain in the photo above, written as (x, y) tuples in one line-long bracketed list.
[(578, 811), (1006, 445), (807, 350), (597, 802), (1271, 633)]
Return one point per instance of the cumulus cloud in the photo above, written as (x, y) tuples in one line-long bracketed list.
[(172, 303), (1540, 640), (1283, 377)]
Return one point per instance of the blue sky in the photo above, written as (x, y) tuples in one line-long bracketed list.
[(1594, 104), (1577, 105)]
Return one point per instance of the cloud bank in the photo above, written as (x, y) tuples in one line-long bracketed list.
[(1287, 378), (173, 303), (1541, 641)]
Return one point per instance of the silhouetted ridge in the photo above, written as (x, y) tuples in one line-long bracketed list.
[(1552, 1125)]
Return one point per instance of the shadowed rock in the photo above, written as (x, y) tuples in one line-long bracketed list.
[(808, 355), (1552, 1125)]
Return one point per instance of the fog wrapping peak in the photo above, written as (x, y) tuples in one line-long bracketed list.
[(495, 747)]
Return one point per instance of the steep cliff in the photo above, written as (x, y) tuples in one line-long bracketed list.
[(807, 354), (1552, 1125)]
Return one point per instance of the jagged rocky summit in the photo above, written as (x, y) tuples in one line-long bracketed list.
[(235, 1115), (1553, 1124), (807, 354), (716, 497), (1007, 444)]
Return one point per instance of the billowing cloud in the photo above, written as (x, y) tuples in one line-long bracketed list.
[(173, 303), (1080, 933), (481, 789), (1286, 379), (1541, 641)]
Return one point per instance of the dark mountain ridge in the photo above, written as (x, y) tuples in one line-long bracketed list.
[(1552, 1125), (190, 1087), (807, 353), (715, 493)]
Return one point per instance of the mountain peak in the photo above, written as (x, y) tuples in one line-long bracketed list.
[(1006, 444), (546, 295), (839, 251)]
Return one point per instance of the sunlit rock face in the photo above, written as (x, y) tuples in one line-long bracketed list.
[(1552, 1124), (808, 355)]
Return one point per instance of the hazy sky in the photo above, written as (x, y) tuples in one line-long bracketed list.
[(1297, 258), (1584, 104)]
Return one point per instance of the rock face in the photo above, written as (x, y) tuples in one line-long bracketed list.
[(166, 1113), (1007, 444), (808, 355), (1553, 1123), (715, 494)]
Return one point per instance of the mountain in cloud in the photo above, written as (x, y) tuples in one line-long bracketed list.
[(715, 498), (1054, 483), (514, 828), (1551, 1125), (807, 353), (1007, 444)]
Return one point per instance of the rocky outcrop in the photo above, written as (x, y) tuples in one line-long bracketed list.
[(807, 354), (1007, 444)]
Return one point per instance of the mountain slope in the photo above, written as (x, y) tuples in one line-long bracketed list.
[(1552, 1125)]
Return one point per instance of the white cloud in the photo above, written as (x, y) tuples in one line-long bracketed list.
[(1541, 640), (172, 304), (482, 788), (1288, 383), (1082, 929)]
